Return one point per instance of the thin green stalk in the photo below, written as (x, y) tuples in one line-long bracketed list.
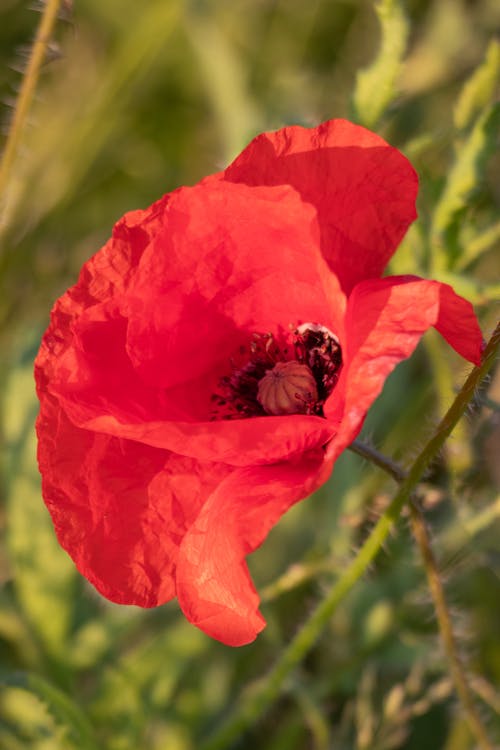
[(438, 596), (27, 90), (446, 628), (375, 457), (486, 692), (462, 532), (480, 244), (490, 403), (296, 575), (460, 681), (254, 702)]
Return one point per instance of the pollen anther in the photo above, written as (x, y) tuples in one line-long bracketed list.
[(280, 378)]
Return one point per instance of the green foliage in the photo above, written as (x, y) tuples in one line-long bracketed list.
[(149, 96), (461, 184), (70, 726), (479, 90), (227, 90), (376, 86), (475, 247), (44, 575)]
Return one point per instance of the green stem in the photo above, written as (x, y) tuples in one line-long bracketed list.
[(443, 617), (254, 702), (490, 403), (480, 244), (446, 628), (375, 457), (28, 86), (296, 575)]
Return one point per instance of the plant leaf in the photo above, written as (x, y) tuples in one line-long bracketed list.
[(476, 246), (479, 90), (64, 711), (376, 86), (463, 179)]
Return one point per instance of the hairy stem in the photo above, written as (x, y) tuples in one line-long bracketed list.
[(27, 90), (458, 674), (443, 617), (375, 457), (255, 701)]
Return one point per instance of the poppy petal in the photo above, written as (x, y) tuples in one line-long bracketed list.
[(108, 272), (362, 189), (122, 528), (230, 262), (96, 385), (145, 365), (102, 277), (213, 583), (384, 322)]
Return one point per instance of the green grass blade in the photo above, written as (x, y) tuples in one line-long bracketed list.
[(464, 177), (225, 83), (376, 86), (64, 711), (476, 246), (65, 148), (479, 90)]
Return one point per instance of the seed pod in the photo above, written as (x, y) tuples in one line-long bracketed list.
[(289, 388)]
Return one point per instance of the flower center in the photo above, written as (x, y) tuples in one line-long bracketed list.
[(289, 388), (281, 380)]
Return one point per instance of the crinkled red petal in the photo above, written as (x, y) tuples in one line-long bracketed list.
[(362, 189), (102, 277), (213, 584), (384, 322), (230, 261), (144, 365), (120, 509)]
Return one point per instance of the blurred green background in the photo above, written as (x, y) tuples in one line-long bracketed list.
[(135, 99)]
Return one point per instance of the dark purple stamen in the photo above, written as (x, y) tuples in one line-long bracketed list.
[(313, 345)]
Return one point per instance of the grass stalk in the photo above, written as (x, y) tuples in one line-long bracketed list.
[(27, 90), (458, 672)]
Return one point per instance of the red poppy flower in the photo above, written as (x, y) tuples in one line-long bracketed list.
[(216, 356)]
